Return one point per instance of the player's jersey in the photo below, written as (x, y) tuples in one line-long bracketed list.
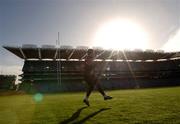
[(89, 67)]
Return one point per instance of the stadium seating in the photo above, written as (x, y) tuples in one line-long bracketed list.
[(7, 82), (50, 68)]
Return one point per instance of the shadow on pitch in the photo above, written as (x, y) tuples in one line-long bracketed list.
[(77, 113)]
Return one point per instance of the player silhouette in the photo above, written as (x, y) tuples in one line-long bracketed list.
[(91, 78)]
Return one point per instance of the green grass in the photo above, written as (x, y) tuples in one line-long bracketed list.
[(146, 106)]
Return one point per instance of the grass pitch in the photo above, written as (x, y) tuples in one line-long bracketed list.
[(144, 106)]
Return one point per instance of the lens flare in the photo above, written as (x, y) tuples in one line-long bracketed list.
[(38, 97)]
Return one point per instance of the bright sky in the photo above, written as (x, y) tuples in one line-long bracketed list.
[(79, 22)]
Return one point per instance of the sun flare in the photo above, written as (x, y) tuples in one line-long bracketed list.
[(121, 34)]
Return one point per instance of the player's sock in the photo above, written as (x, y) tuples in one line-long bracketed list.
[(86, 98), (86, 102)]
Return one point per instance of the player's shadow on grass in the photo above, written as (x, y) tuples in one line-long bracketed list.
[(77, 113), (73, 117)]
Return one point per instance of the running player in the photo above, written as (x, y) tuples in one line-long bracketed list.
[(91, 78)]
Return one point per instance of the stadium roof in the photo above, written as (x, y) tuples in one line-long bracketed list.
[(29, 51)]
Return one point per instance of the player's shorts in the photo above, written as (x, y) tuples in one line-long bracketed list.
[(91, 80)]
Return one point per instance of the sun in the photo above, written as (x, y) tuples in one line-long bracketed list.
[(121, 34)]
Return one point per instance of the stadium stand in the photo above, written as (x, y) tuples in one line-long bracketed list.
[(7, 82), (52, 69)]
